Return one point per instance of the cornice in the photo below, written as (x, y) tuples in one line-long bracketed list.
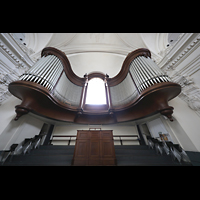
[(15, 48), (185, 45), (14, 54)]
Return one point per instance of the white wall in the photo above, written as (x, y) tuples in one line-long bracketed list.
[(186, 126), (16, 131), (7, 112), (72, 129), (184, 130), (174, 131)]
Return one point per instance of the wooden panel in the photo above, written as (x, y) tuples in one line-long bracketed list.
[(107, 148), (81, 149), (83, 135), (94, 148), (106, 135), (94, 151), (95, 134), (109, 162), (94, 162)]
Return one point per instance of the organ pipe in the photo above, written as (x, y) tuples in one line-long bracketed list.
[(146, 73), (44, 72), (48, 72)]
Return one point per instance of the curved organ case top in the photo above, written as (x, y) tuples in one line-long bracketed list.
[(51, 89)]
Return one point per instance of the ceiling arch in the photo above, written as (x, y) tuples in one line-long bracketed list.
[(103, 52), (89, 62)]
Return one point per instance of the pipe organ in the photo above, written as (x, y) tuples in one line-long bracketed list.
[(44, 72), (67, 92), (124, 92), (48, 72), (142, 74), (51, 89), (146, 73)]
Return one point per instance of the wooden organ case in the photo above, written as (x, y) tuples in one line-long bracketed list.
[(94, 147), (51, 89)]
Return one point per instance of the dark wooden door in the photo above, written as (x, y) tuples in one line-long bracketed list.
[(94, 148)]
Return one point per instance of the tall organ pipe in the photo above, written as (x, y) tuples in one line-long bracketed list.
[(140, 86), (45, 69), (41, 68), (138, 77), (146, 73), (49, 72), (44, 72), (152, 77), (50, 83), (48, 75), (25, 75), (56, 77), (147, 77)]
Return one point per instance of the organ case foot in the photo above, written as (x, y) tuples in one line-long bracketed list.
[(168, 113), (20, 111)]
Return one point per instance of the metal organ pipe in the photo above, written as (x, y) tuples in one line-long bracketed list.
[(25, 75), (141, 74), (37, 65), (41, 68), (48, 73), (46, 78), (159, 72), (149, 62), (134, 76), (33, 70), (48, 83), (35, 73), (147, 77), (57, 75), (146, 73), (152, 76), (45, 69), (137, 76), (150, 71), (44, 72)]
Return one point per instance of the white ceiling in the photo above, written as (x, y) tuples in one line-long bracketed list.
[(103, 52)]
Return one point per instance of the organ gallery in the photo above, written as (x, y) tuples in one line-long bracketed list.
[(51, 89)]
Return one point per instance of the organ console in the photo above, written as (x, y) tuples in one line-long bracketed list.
[(51, 89)]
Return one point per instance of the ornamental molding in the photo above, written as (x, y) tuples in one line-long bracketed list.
[(13, 44), (190, 91), (194, 103), (14, 63), (180, 70), (180, 50), (183, 80)]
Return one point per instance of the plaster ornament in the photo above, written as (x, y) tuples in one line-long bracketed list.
[(194, 103)]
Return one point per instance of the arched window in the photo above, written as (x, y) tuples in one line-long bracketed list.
[(96, 93)]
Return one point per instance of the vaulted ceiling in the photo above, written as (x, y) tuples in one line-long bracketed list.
[(103, 52)]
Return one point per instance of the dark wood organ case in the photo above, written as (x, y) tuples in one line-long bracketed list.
[(94, 147)]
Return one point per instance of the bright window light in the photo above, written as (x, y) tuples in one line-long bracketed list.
[(96, 92)]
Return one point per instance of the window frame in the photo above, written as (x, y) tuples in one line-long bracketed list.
[(98, 108)]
